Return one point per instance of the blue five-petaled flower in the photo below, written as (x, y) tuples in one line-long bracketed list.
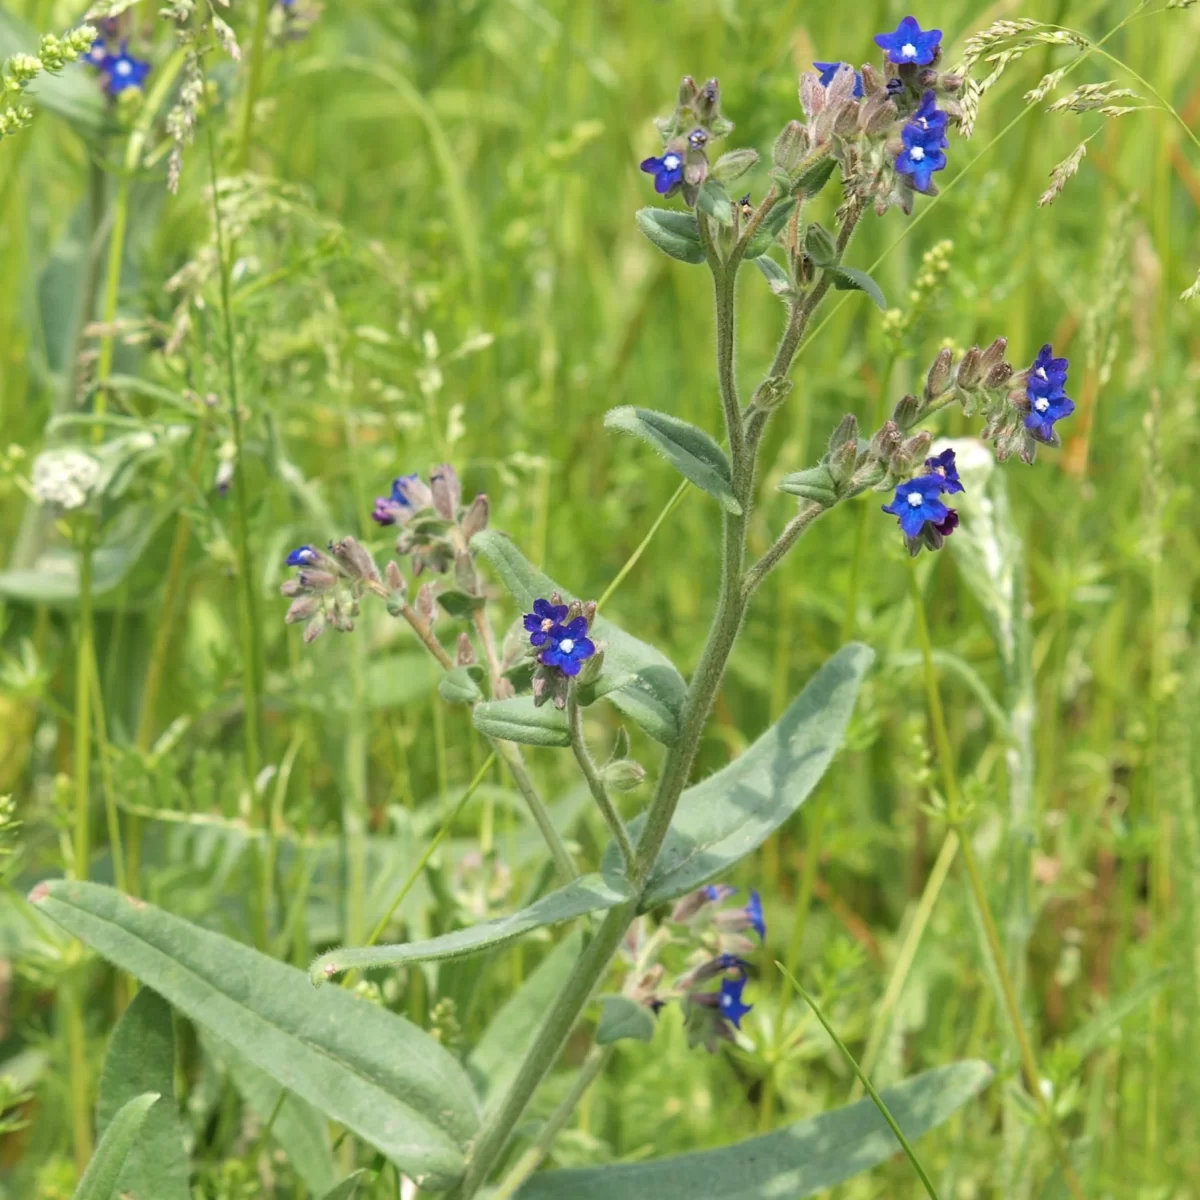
[(918, 501), (123, 70), (667, 171), (542, 622), (910, 43), (1048, 401), (568, 647), (944, 465), (924, 139), (730, 1001), (829, 69), (303, 556)]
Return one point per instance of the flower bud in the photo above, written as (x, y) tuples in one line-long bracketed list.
[(302, 608), (970, 369), (846, 123), (315, 580), (354, 558), (993, 354), (396, 589), (998, 376), (877, 114), (872, 80), (708, 102), (790, 147), (938, 379), (476, 519), (772, 392), (623, 774), (447, 491), (291, 587), (907, 412), (465, 651), (427, 603), (927, 77), (812, 94), (464, 573), (886, 442), (314, 629), (951, 83), (688, 91), (734, 165), (847, 431)]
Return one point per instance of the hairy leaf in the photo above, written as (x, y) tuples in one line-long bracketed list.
[(623, 1018), (691, 451), (591, 893), (730, 814), (520, 720), (674, 233), (770, 228), (800, 1160), (850, 279), (369, 1069), (99, 1181), (655, 699)]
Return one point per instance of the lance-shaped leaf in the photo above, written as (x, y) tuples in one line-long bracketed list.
[(800, 1160), (499, 1052), (374, 1072), (591, 893), (99, 1181), (691, 451), (851, 279), (674, 233), (347, 1188), (622, 1017), (655, 697), (141, 1059), (772, 224), (520, 720), (733, 812)]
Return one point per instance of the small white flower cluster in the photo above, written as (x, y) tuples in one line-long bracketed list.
[(64, 478)]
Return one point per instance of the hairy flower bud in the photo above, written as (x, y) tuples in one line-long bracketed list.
[(970, 369), (291, 587), (465, 652), (314, 629), (708, 102), (886, 442), (316, 580), (790, 147), (476, 518), (846, 432), (877, 114), (907, 411), (426, 603), (396, 589), (447, 491), (998, 376), (938, 379), (355, 559), (951, 83), (688, 91), (464, 573), (302, 609), (993, 354), (812, 94), (623, 774), (872, 80)]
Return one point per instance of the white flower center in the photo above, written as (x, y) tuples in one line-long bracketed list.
[(122, 67), (547, 625), (1041, 404), (1041, 373), (915, 499), (916, 154), (566, 645), (908, 50), (671, 161)]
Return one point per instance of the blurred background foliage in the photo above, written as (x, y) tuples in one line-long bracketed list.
[(436, 259)]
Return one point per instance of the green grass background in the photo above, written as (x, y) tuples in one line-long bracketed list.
[(423, 174)]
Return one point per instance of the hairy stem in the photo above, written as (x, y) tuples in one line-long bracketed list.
[(587, 765), (514, 760)]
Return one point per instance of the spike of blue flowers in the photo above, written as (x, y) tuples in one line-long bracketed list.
[(829, 69), (944, 465), (543, 620), (667, 171), (918, 501), (730, 1001), (910, 43), (568, 647), (303, 556)]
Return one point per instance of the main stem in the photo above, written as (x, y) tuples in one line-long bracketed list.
[(583, 756), (954, 801)]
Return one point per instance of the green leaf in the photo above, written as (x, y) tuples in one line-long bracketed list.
[(501, 1049), (799, 1160), (733, 812), (714, 200), (655, 700), (461, 685), (375, 1073), (691, 451), (816, 483), (346, 1189), (460, 604), (588, 894), (674, 233), (141, 1059), (623, 1018), (772, 225), (99, 1181), (815, 178), (849, 279), (520, 720), (777, 278), (298, 1128)]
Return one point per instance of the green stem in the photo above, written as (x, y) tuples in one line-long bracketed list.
[(254, 83), (978, 889), (84, 655), (599, 792), (866, 1083), (81, 1106), (514, 760), (593, 1067), (248, 605)]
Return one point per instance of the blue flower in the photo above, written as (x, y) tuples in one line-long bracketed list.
[(909, 44), (829, 70), (949, 525), (918, 501), (667, 171), (944, 465), (409, 493), (1047, 399), (303, 556), (931, 120), (921, 156), (754, 914), (730, 1001), (542, 622), (123, 71), (714, 892), (569, 647), (97, 54)]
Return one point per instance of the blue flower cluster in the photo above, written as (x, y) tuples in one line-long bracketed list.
[(918, 503), (1048, 400), (120, 70), (563, 644), (924, 144)]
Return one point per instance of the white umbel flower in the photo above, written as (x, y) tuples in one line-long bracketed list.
[(64, 478)]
